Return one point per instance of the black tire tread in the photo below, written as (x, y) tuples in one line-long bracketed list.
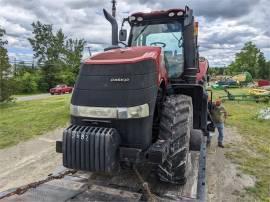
[(175, 125)]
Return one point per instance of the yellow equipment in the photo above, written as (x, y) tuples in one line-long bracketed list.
[(257, 91)]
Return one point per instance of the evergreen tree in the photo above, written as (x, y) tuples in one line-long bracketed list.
[(6, 84)]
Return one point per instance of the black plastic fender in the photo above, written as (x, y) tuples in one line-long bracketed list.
[(196, 138)]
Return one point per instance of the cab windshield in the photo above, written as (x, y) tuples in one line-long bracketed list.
[(169, 37)]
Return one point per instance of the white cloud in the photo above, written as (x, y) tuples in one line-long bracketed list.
[(224, 25)]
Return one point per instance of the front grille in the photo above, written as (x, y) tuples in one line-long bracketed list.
[(117, 85)]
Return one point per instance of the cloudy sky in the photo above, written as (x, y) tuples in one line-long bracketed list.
[(224, 25)]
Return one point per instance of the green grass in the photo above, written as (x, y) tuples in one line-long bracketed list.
[(253, 155), (21, 121)]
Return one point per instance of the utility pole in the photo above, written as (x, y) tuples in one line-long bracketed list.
[(15, 66), (89, 50), (33, 65), (114, 8)]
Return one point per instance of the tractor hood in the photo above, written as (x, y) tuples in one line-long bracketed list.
[(126, 55), (122, 77)]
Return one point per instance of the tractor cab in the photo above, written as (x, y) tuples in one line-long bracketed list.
[(168, 36), (168, 30)]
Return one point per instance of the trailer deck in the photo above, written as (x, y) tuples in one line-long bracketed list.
[(66, 185)]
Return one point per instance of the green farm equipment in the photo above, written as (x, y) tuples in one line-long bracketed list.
[(252, 96)]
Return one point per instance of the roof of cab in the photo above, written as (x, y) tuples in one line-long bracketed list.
[(157, 13)]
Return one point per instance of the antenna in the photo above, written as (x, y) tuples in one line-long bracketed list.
[(114, 8)]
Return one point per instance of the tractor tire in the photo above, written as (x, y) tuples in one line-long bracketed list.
[(176, 124)]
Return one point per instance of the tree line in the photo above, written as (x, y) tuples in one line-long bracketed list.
[(250, 59), (58, 61)]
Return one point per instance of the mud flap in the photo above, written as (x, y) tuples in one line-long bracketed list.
[(196, 138), (90, 148)]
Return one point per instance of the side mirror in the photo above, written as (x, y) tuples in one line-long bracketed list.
[(123, 35)]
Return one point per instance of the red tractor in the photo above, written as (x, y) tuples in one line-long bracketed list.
[(142, 103)]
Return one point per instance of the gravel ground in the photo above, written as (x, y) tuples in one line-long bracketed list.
[(226, 182), (29, 161), (33, 97)]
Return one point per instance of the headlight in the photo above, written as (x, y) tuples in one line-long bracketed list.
[(171, 14), (140, 19), (133, 112), (180, 13), (95, 112), (110, 112), (132, 18)]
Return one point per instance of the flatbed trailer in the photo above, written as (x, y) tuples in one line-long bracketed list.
[(126, 185)]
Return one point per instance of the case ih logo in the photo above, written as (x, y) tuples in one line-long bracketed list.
[(119, 79)]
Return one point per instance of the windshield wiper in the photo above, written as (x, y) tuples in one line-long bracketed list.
[(179, 40), (141, 32)]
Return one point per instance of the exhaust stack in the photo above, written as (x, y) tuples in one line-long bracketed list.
[(114, 24)]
